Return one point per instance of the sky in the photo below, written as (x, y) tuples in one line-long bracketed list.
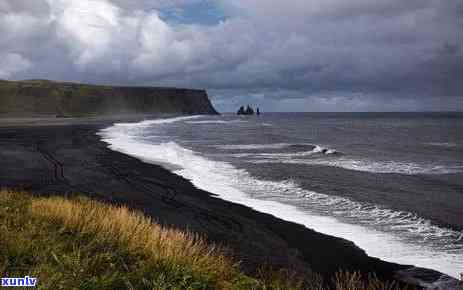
[(281, 55)]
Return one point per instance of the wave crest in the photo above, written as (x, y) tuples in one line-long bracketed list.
[(404, 236)]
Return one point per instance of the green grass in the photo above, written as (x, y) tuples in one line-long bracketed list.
[(84, 244)]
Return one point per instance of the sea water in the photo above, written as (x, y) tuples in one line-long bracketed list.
[(392, 183)]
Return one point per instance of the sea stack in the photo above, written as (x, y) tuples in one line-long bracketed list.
[(247, 111)]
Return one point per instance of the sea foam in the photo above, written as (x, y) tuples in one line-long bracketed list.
[(219, 122), (399, 237), (408, 168)]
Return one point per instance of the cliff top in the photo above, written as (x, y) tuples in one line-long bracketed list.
[(48, 83), (53, 98)]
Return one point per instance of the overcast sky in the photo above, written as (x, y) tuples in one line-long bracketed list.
[(283, 55)]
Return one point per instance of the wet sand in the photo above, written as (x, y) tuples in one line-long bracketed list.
[(66, 157)]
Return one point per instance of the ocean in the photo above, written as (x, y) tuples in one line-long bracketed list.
[(392, 183)]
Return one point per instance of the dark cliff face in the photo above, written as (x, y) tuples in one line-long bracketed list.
[(40, 98)]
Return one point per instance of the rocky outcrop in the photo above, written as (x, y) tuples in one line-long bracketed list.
[(428, 279), (247, 111), (49, 98)]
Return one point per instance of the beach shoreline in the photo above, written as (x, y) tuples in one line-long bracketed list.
[(66, 157)]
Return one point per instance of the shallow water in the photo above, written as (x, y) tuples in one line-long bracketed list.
[(387, 182)]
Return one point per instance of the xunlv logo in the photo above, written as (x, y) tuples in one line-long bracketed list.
[(19, 282)]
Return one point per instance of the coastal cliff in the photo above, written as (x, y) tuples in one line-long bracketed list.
[(62, 99)]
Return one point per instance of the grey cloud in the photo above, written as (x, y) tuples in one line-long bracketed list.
[(31, 7), (282, 51)]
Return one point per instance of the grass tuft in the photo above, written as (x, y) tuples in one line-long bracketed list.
[(135, 232), (84, 244)]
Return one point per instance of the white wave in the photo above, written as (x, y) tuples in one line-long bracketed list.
[(403, 238), (158, 121), (443, 144), (408, 168), (331, 151), (252, 146), (244, 147), (286, 156), (216, 122)]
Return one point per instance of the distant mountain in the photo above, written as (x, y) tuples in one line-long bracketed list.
[(63, 99)]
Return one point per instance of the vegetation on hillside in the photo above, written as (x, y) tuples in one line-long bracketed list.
[(64, 99), (84, 244)]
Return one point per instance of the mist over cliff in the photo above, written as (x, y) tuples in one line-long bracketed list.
[(63, 99)]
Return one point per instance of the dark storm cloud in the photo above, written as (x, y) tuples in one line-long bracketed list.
[(343, 55)]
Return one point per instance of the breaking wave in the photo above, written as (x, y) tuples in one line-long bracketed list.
[(404, 237), (407, 168), (295, 149), (289, 155), (148, 123), (443, 144), (216, 122), (252, 146), (299, 153)]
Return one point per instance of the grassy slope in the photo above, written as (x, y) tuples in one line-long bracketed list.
[(84, 244), (41, 97)]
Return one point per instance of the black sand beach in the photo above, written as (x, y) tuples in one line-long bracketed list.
[(47, 158)]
